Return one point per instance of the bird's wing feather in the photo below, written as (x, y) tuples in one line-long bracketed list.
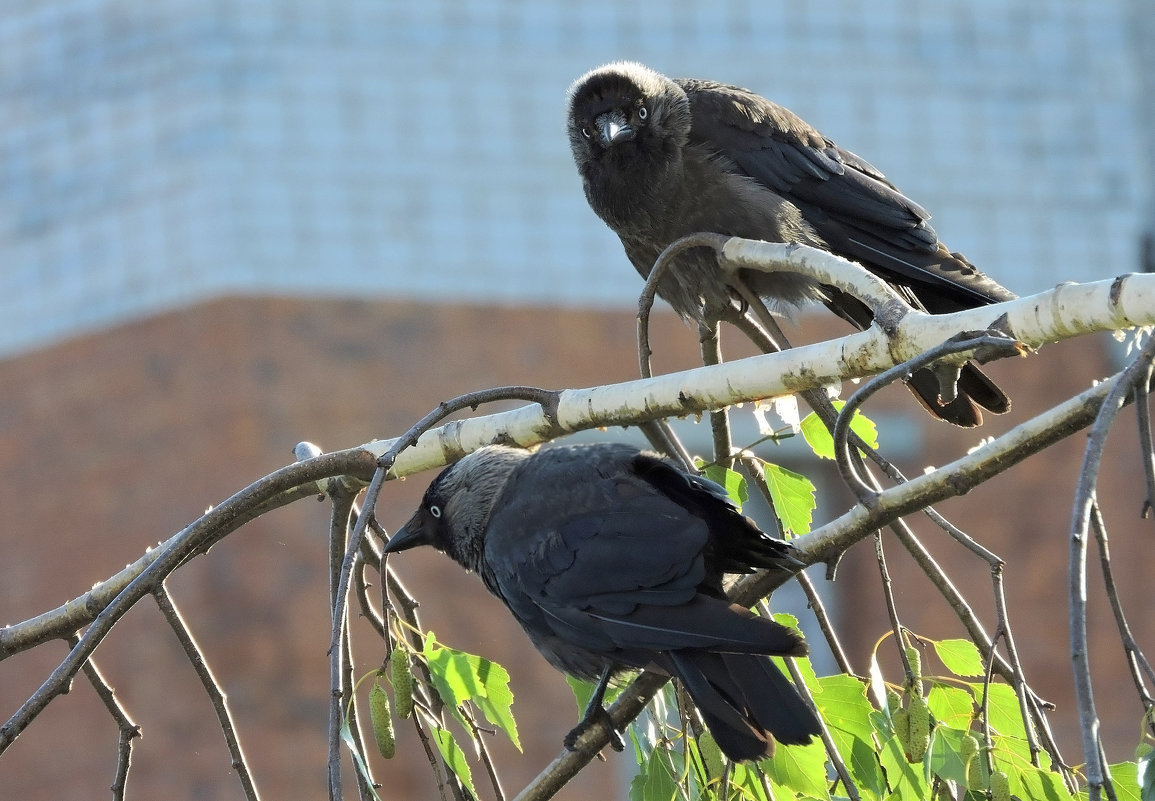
[(848, 202), (776, 147), (737, 545), (610, 559)]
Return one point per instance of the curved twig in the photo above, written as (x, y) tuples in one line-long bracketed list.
[(1139, 369), (1137, 662), (987, 340), (650, 290)]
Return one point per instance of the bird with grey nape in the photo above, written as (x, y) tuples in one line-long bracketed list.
[(661, 159), (612, 559)]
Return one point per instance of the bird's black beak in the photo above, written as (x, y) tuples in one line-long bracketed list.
[(410, 535), (613, 128)]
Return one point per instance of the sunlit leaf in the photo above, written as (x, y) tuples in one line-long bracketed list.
[(815, 433), (951, 706), (454, 757), (461, 677), (793, 497), (1003, 709), (731, 480), (1146, 773), (907, 780), (961, 657), (844, 706), (655, 780), (946, 759), (800, 768)]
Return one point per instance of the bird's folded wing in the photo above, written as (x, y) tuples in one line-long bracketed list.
[(783, 152), (736, 544), (644, 550)]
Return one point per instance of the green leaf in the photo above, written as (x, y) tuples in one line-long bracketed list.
[(713, 763), (745, 783), (731, 480), (655, 780), (961, 657), (584, 690), (842, 701), (1002, 709), (454, 758), (951, 707), (905, 779), (346, 735), (1032, 783), (801, 768), (793, 497), (865, 771), (945, 758), (461, 677), (817, 436), (847, 712), (1125, 776)]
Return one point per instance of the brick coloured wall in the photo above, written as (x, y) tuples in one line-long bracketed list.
[(112, 442)]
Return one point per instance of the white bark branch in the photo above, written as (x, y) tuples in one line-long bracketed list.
[(1065, 311)]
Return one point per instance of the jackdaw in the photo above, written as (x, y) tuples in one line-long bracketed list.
[(660, 159), (612, 559)]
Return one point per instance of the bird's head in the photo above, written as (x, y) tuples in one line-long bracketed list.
[(625, 111), (455, 509)]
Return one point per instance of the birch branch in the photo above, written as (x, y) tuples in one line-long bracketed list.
[(1060, 313), (1063, 312)]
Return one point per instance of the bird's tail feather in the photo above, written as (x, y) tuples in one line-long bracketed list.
[(745, 701), (974, 390)]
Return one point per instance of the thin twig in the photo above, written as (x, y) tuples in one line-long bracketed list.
[(991, 342), (127, 729), (1136, 661), (1146, 444), (659, 432), (1138, 370), (813, 599), (338, 689), (483, 753), (708, 335), (1022, 691), (650, 290), (827, 740), (891, 607), (196, 658), (442, 780)]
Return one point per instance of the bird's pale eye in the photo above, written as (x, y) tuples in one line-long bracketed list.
[(435, 511), (586, 132), (642, 113)]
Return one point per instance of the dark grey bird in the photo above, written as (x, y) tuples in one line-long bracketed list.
[(611, 559), (661, 159)]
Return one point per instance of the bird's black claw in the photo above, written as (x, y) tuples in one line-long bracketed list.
[(599, 717)]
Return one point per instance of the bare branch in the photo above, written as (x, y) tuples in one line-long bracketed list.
[(220, 702), (1083, 506), (128, 730)]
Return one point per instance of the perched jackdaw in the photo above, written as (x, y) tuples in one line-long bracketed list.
[(661, 159), (612, 559)]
